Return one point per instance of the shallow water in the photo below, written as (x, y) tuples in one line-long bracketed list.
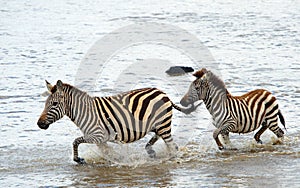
[(255, 45)]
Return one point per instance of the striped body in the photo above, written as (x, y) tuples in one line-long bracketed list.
[(237, 114), (124, 118), (251, 109), (133, 114)]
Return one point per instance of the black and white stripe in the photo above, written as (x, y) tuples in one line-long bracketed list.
[(237, 114), (124, 118)]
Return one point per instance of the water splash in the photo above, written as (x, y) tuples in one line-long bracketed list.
[(132, 155)]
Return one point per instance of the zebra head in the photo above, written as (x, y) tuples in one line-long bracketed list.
[(54, 107), (198, 88)]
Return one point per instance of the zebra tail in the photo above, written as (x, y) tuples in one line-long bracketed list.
[(281, 119), (186, 110)]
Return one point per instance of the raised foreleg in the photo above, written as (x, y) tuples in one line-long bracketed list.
[(86, 139), (76, 143), (224, 131)]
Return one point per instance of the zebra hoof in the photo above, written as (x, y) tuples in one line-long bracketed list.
[(221, 147), (259, 142), (80, 160)]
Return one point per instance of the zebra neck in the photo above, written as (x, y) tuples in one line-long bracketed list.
[(80, 107), (215, 101)]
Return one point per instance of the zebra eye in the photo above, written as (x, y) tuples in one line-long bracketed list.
[(55, 103)]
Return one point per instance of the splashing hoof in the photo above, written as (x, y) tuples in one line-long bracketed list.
[(80, 160)]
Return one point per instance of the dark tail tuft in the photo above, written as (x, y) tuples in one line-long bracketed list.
[(186, 110), (281, 119)]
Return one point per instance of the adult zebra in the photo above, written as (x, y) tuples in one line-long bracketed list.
[(125, 117), (237, 114)]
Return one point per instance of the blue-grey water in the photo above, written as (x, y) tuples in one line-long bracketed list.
[(255, 44)]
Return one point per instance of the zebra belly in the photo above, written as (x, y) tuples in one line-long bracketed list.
[(131, 134), (246, 127)]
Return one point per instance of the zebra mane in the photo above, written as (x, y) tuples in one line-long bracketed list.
[(216, 81), (211, 77), (72, 89)]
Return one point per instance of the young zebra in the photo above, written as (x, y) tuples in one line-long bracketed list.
[(237, 114), (125, 118)]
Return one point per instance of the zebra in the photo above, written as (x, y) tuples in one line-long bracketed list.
[(236, 114), (122, 118)]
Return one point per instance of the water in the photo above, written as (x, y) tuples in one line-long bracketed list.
[(256, 45)]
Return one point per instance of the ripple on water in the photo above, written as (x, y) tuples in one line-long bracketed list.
[(256, 48)]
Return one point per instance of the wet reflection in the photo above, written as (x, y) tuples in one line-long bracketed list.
[(112, 176)]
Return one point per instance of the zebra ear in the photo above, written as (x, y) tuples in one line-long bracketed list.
[(49, 86), (200, 73), (59, 84)]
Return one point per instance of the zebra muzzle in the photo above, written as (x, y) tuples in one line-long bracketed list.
[(184, 102), (42, 124)]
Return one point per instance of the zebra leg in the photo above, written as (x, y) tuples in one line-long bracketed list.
[(216, 137), (172, 146), (165, 133), (223, 130), (272, 124), (276, 130), (259, 133), (76, 143), (149, 145)]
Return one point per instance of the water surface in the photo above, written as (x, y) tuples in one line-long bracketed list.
[(255, 45)]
